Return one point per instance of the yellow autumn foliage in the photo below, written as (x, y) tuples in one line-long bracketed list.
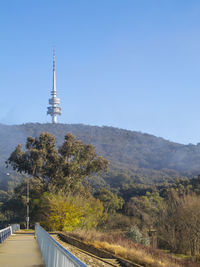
[(66, 212)]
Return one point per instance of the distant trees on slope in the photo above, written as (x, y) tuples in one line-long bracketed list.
[(153, 158)]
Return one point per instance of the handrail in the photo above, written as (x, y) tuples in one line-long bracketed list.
[(55, 255), (15, 227), (6, 232)]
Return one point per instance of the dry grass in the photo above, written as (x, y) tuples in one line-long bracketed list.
[(117, 244)]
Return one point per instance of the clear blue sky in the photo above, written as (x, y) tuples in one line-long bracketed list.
[(132, 64)]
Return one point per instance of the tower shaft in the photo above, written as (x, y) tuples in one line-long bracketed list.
[(54, 101), (54, 118)]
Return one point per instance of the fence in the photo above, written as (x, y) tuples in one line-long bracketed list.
[(15, 227), (6, 232), (55, 255)]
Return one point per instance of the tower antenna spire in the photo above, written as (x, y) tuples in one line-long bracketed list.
[(54, 59), (54, 101)]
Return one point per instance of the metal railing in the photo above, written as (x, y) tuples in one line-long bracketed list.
[(6, 232), (55, 255), (15, 227)]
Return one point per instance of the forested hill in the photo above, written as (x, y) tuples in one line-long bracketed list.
[(135, 152)]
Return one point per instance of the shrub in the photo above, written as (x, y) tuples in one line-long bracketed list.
[(136, 236)]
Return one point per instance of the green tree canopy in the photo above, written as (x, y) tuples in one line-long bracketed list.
[(111, 201), (64, 167)]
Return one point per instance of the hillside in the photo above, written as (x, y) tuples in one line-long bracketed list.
[(134, 152)]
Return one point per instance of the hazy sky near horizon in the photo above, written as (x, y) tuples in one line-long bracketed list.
[(132, 64)]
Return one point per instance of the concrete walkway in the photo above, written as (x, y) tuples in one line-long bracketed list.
[(20, 250)]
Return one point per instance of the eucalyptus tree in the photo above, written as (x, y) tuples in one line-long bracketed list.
[(63, 167)]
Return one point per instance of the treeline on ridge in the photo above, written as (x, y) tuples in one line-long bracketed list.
[(138, 155)]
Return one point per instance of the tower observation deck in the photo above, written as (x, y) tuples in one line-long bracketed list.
[(54, 101)]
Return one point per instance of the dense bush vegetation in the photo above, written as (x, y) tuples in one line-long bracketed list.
[(70, 190)]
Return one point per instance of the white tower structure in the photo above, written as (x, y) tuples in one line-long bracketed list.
[(54, 101)]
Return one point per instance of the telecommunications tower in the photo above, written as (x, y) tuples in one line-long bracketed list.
[(54, 101)]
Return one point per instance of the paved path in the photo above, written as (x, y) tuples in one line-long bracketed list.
[(20, 250)]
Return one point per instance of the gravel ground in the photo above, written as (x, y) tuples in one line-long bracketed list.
[(90, 261)]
